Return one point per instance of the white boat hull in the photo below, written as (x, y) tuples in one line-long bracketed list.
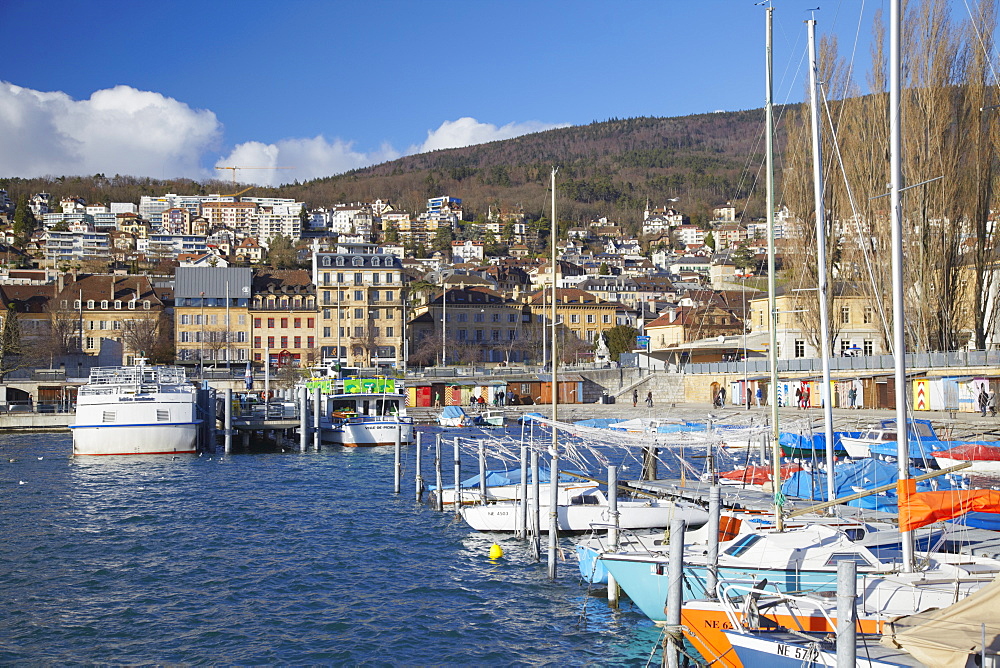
[(631, 515), (166, 439), (368, 433), (495, 493), (856, 448), (986, 466)]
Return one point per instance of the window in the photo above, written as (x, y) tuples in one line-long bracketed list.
[(376, 262), (590, 319), (511, 317), (270, 323), (213, 319), (375, 295), (496, 317), (297, 342), (575, 319), (76, 304), (340, 277), (326, 298), (297, 323), (357, 261), (326, 315), (256, 342), (375, 313), (90, 303), (256, 323), (389, 332), (869, 314), (340, 262), (375, 332), (359, 313), (185, 337), (65, 303), (869, 348), (241, 319), (284, 342), (359, 331), (479, 317), (463, 335), (284, 323), (388, 277), (326, 260), (800, 348), (512, 334), (90, 342), (463, 317), (479, 335), (845, 314), (145, 304), (496, 335), (185, 319), (104, 304), (310, 342), (606, 319), (326, 331), (270, 342), (118, 304), (375, 280), (358, 295)]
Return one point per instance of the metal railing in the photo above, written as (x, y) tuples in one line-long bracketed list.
[(886, 363)]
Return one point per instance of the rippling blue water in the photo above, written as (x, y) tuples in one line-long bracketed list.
[(272, 559)]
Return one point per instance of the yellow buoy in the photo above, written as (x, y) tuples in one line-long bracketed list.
[(495, 551)]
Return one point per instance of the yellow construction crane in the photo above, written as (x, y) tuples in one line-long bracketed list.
[(235, 168)]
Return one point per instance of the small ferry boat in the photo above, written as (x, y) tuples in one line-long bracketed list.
[(136, 410), (365, 412)]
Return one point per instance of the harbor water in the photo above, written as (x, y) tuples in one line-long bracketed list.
[(294, 558)]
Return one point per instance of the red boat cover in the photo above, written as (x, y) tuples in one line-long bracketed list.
[(917, 509), (758, 475), (970, 452)]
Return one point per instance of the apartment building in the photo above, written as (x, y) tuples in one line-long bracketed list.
[(212, 323), (361, 305), (284, 317)]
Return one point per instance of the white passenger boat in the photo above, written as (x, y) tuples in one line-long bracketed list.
[(366, 412), (136, 410)]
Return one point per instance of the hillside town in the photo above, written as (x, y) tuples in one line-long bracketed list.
[(219, 281)]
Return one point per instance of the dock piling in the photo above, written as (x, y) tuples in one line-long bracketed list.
[(847, 589), (714, 515), (398, 467), (522, 517), (418, 477), (438, 479), (303, 418), (535, 512), (482, 471), (316, 414), (613, 530), (458, 479), (228, 438), (675, 593)]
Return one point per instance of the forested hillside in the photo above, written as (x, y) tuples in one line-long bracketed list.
[(606, 168)]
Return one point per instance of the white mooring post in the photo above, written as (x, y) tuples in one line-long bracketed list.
[(398, 468), (316, 414), (303, 418), (535, 512), (458, 479), (613, 530), (847, 590), (228, 439), (675, 593), (714, 514), (419, 477), (438, 478), (522, 508), (482, 471)]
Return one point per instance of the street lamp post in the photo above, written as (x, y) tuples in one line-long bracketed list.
[(444, 323)]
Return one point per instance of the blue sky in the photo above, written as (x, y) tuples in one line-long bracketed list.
[(171, 89)]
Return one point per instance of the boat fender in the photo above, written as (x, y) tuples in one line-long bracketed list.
[(495, 551)]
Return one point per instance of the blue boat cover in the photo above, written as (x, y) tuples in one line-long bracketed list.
[(849, 477), (453, 412)]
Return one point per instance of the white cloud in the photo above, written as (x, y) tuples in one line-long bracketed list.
[(319, 157), (123, 130), (309, 158), (468, 131), (119, 130)]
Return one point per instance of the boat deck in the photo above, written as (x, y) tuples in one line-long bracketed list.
[(965, 540)]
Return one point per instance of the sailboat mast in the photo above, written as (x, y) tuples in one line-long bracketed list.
[(554, 450), (772, 306), (824, 287), (898, 331)]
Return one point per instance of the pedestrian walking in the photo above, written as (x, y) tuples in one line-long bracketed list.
[(649, 398), (758, 395), (852, 396), (991, 402), (983, 400), (805, 398), (798, 397), (722, 397), (510, 397), (635, 398)]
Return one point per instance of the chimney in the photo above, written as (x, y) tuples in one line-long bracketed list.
[(61, 282)]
